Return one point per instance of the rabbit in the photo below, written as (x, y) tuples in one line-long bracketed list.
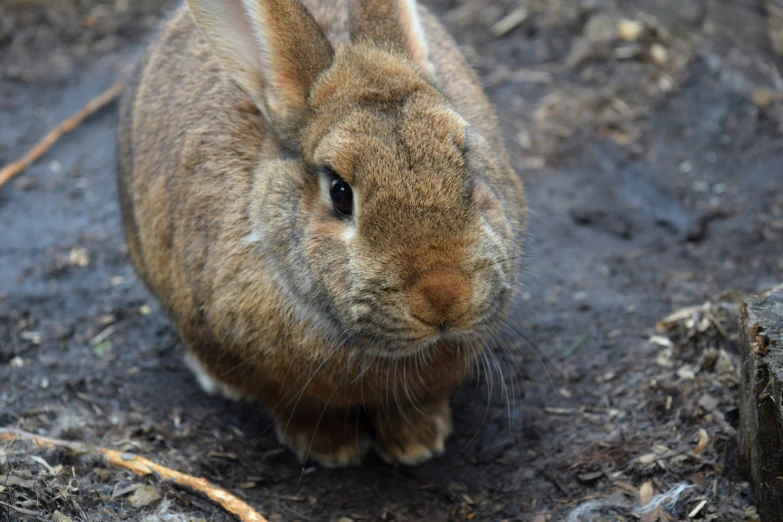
[(319, 195)]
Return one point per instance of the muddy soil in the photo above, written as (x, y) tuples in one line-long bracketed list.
[(652, 156)]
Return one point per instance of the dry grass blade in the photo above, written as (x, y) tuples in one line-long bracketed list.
[(142, 467), (11, 170)]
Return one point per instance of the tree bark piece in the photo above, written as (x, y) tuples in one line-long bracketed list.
[(761, 400), (142, 467), (775, 25)]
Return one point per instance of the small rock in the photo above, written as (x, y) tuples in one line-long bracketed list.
[(725, 364), (17, 362), (686, 373), (79, 257), (145, 309), (144, 496), (659, 54), (600, 29), (26, 183), (708, 402), (763, 98), (55, 166), (700, 186), (691, 11), (630, 30)]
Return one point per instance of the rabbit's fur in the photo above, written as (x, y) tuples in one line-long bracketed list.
[(348, 329)]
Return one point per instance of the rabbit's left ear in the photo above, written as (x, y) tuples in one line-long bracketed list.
[(272, 48), (392, 22)]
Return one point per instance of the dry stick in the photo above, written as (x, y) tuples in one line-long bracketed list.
[(142, 467), (12, 170)]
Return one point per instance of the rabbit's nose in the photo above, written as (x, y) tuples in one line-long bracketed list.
[(440, 296)]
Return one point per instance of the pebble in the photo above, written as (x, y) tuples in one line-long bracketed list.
[(55, 166), (79, 257), (659, 54), (630, 30), (600, 29), (701, 186)]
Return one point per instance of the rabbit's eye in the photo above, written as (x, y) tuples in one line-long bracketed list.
[(342, 197)]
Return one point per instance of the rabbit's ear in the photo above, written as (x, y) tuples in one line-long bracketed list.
[(272, 48), (392, 22)]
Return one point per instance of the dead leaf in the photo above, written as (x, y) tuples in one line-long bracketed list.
[(681, 315), (704, 439), (590, 477), (708, 402), (59, 517), (11, 480), (646, 493), (661, 341), (124, 491), (144, 496), (647, 459)]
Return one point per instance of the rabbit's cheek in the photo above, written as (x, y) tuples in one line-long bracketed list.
[(490, 207)]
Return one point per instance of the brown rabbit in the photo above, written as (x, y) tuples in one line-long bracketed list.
[(319, 195)]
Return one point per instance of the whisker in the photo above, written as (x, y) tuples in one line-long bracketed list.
[(300, 394), (486, 412), (536, 349)]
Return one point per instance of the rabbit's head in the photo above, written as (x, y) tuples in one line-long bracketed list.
[(386, 217)]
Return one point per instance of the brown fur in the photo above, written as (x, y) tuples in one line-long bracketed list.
[(228, 223)]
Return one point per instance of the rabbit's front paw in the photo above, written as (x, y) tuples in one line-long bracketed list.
[(414, 436), (333, 440)]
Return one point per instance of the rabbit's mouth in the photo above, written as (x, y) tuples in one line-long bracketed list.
[(462, 341)]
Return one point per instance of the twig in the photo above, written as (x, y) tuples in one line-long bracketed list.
[(142, 467), (21, 510), (509, 22), (11, 170)]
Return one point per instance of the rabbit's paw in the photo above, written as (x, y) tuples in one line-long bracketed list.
[(414, 436), (338, 440)]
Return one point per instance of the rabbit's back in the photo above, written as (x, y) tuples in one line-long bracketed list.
[(188, 141)]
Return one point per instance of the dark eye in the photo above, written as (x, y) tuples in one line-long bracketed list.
[(342, 197)]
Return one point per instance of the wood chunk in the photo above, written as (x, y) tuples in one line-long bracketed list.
[(761, 400)]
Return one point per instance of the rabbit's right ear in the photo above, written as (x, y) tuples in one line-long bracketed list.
[(272, 48), (392, 22)]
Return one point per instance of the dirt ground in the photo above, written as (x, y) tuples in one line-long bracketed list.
[(651, 150)]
